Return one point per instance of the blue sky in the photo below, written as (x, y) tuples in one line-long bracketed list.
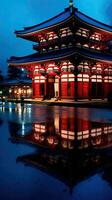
[(14, 15)]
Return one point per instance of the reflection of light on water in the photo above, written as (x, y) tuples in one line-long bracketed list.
[(2, 108), (39, 128), (10, 107), (29, 110), (67, 134), (23, 129)]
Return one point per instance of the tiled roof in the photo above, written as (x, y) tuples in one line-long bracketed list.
[(51, 22), (62, 17), (60, 54)]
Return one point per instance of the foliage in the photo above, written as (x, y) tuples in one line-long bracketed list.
[(14, 73)]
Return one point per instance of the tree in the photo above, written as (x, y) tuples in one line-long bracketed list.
[(14, 73), (1, 76)]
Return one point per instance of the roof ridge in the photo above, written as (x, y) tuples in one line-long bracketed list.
[(94, 19), (34, 26)]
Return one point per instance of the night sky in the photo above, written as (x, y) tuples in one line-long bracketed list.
[(16, 14)]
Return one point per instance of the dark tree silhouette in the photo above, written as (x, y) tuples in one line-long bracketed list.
[(1, 76), (14, 73)]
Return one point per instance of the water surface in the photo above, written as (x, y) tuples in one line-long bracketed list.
[(55, 153)]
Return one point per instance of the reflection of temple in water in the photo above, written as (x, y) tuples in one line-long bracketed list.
[(69, 169), (64, 130), (66, 141)]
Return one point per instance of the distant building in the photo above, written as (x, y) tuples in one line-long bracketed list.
[(73, 58), (17, 89)]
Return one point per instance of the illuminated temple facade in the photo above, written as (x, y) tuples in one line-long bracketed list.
[(73, 58)]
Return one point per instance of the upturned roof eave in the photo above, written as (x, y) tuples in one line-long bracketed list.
[(18, 34), (86, 55), (73, 14), (93, 26)]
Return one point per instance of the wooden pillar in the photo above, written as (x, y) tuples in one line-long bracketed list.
[(103, 92), (76, 84), (90, 84), (33, 88), (45, 86), (59, 87)]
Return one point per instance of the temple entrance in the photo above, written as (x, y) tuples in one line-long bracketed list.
[(56, 87), (41, 89), (96, 87), (50, 87), (96, 90), (68, 89)]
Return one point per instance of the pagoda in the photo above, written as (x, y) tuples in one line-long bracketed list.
[(73, 58)]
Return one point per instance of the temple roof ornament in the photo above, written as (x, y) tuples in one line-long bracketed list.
[(71, 3)]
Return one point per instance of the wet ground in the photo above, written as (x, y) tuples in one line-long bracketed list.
[(55, 152)]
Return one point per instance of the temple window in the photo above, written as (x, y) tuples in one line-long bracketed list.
[(93, 47), (70, 44), (80, 68), (99, 70), (96, 78), (94, 70), (51, 36), (36, 71), (42, 39), (67, 67), (86, 45), (70, 67), (50, 68), (99, 65), (108, 71), (83, 32), (63, 46), (56, 69), (56, 48), (78, 44), (64, 67), (69, 32), (84, 67), (50, 48), (65, 32), (44, 50), (39, 79), (78, 32), (42, 71), (108, 79), (96, 36), (98, 48), (55, 36)]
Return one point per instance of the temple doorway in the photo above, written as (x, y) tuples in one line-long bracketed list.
[(56, 87), (50, 87)]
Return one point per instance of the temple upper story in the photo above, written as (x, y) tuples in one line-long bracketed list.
[(68, 29), (67, 22)]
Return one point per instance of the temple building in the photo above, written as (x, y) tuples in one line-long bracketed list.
[(73, 58)]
